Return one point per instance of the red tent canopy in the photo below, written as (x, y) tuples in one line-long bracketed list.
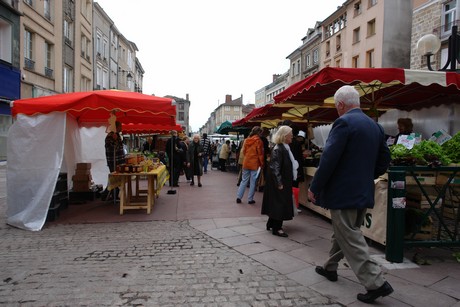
[(397, 88), (96, 106)]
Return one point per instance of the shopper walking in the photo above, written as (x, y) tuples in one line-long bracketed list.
[(224, 153), (253, 163), (206, 144), (195, 159), (173, 150), (354, 155), (277, 201)]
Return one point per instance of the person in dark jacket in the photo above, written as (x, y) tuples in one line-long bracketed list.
[(354, 155), (277, 201), (296, 149), (195, 155), (174, 150)]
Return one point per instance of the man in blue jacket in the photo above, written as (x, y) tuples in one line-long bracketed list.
[(354, 155)]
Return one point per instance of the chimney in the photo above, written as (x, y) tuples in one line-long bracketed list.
[(186, 97), (275, 76), (228, 98)]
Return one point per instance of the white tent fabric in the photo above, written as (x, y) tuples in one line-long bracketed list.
[(39, 148), (35, 154)]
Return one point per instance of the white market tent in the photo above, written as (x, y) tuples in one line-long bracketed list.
[(51, 134)]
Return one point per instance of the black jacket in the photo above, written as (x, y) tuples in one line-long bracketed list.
[(278, 204)]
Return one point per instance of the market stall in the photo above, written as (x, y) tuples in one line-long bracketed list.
[(51, 134), (388, 89)]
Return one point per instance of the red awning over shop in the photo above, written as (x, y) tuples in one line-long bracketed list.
[(385, 88)]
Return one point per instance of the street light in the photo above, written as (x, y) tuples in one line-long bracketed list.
[(430, 44), (129, 76)]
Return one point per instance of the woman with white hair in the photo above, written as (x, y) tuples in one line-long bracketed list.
[(277, 201)]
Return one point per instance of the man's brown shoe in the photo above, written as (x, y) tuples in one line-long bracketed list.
[(372, 295), (331, 275)]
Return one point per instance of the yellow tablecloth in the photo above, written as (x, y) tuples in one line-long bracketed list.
[(156, 180)]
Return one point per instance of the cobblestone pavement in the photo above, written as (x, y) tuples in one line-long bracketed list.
[(137, 264)]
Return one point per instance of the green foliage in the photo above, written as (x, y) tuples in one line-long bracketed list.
[(451, 148), (425, 153)]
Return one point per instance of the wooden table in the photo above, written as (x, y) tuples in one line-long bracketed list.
[(155, 181)]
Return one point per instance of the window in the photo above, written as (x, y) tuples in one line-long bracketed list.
[(328, 48), (355, 61), (357, 8), (85, 84), (372, 3), (47, 9), (29, 2), (356, 35), (298, 67), (371, 27), (337, 63), (370, 58), (448, 16), (308, 60), (85, 47), (227, 108), (28, 50), (315, 56), (180, 106), (338, 42), (181, 116), (48, 60), (293, 70), (68, 32), (99, 44), (105, 47), (6, 49), (68, 80), (105, 79), (236, 108)]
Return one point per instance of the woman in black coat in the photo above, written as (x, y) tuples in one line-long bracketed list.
[(277, 200), (195, 154)]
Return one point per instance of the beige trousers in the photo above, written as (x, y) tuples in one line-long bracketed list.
[(348, 240)]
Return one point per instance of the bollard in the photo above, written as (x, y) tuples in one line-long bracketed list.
[(396, 205)]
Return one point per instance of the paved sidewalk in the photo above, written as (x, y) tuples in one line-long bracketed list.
[(197, 248)]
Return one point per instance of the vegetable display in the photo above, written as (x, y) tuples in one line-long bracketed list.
[(424, 153), (452, 148)]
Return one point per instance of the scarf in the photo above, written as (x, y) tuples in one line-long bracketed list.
[(294, 162)]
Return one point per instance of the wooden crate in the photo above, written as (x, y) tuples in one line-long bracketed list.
[(424, 179), (442, 178)]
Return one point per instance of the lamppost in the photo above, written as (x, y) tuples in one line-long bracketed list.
[(430, 44), (129, 76)]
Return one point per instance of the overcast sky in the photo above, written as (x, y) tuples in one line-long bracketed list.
[(211, 48)]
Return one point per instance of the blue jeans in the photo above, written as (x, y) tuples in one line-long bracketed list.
[(205, 163), (251, 176)]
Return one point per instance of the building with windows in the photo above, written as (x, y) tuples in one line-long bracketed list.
[(359, 34), (10, 74), (433, 17), (182, 112), (231, 110), (266, 94)]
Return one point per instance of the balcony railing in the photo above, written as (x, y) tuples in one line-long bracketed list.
[(49, 72), (29, 64)]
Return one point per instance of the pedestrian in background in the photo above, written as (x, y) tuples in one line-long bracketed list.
[(114, 153), (277, 200), (195, 159), (253, 163), (354, 155), (224, 153), (185, 143), (296, 149), (206, 144), (173, 151)]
